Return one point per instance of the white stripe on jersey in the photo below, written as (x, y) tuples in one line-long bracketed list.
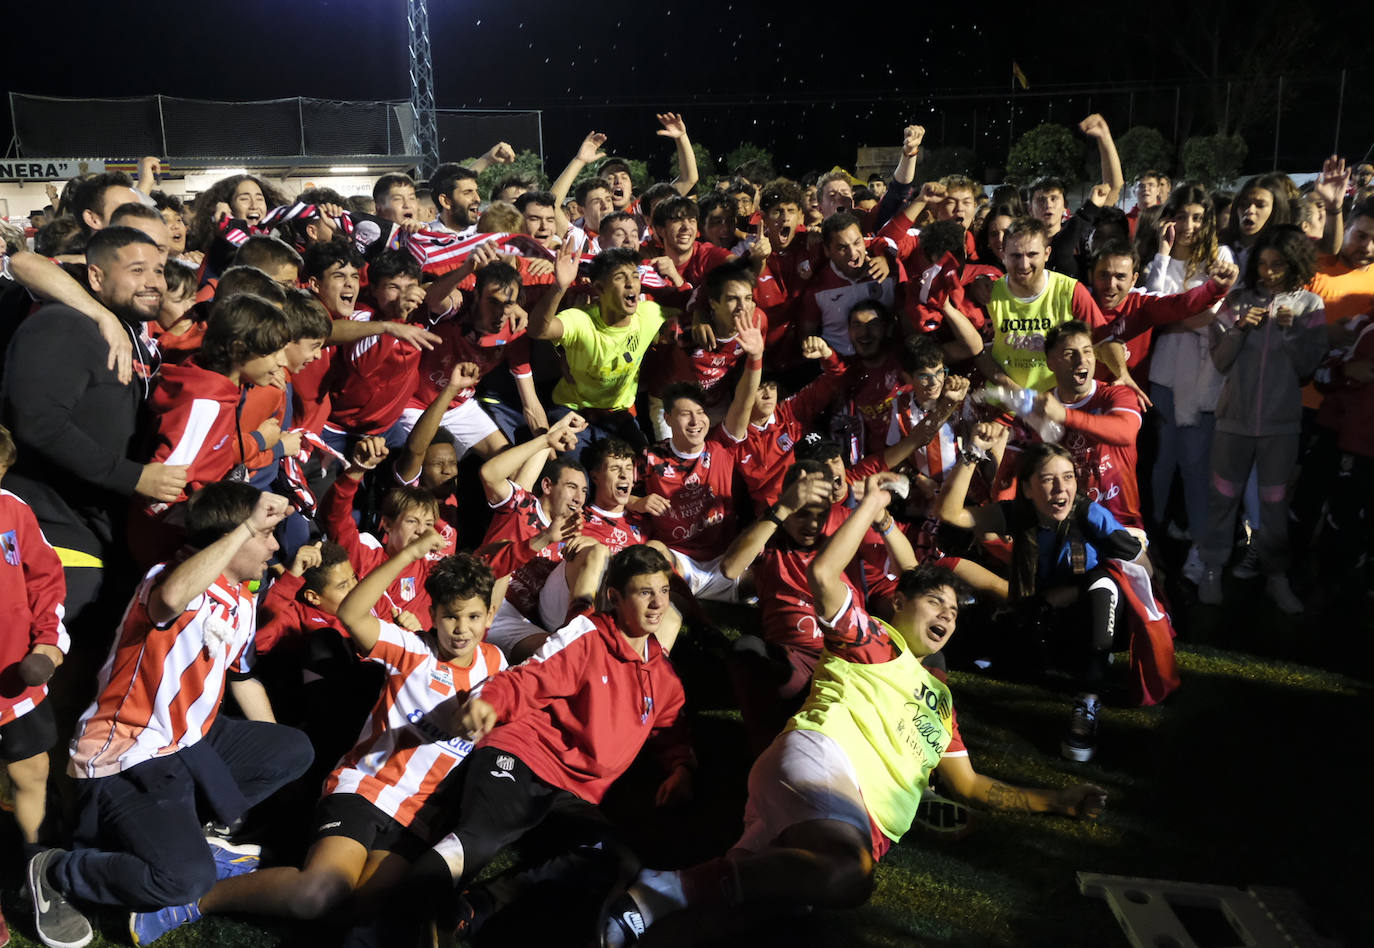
[(204, 411)]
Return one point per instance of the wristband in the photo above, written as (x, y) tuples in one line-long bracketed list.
[(886, 529), (756, 363), (970, 454), (772, 516)]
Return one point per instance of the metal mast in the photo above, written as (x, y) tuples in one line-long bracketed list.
[(425, 138)]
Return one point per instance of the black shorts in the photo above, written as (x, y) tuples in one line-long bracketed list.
[(29, 734), (357, 818)]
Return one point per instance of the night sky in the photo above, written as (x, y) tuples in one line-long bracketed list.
[(809, 89)]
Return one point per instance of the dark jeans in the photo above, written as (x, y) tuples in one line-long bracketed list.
[(145, 847)]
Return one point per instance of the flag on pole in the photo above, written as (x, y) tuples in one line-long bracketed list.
[(1018, 75)]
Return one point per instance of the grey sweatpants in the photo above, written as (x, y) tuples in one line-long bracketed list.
[(1274, 458)]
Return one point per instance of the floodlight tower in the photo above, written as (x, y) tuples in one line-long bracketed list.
[(425, 138)]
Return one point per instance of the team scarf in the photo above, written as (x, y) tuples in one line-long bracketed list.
[(293, 480)]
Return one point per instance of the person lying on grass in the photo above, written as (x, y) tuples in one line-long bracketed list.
[(824, 799)]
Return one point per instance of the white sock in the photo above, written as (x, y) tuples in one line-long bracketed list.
[(658, 892), (450, 849)]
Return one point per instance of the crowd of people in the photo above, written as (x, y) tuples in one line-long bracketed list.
[(349, 541)]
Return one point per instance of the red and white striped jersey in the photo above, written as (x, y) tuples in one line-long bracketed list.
[(161, 688), (405, 750)]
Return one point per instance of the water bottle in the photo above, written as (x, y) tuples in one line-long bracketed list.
[(1021, 402)]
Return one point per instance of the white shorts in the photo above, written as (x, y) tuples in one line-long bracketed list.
[(467, 423), (705, 579), (802, 776), (509, 628)]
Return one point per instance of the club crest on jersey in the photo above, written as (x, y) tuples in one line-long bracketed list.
[(785, 441), (9, 542), (506, 762), (407, 588), (441, 680)]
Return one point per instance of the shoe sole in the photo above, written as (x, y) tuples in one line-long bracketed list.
[(1080, 754), (35, 886), (238, 849)]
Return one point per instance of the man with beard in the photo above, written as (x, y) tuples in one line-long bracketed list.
[(455, 194), (74, 423)]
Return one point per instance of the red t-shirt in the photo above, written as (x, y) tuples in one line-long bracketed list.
[(370, 383), (1100, 431), (517, 520), (701, 521), (614, 531), (872, 392), (462, 343)]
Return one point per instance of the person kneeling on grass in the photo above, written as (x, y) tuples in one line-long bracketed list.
[(153, 744), (833, 791), (374, 817)]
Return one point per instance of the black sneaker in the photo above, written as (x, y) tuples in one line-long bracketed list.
[(58, 924), (1080, 741), (625, 923)]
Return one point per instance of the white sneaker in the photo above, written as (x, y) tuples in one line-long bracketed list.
[(1278, 589), (1209, 590), (1193, 568)]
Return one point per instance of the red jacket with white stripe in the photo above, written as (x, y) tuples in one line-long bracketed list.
[(32, 590), (581, 708), (195, 411)]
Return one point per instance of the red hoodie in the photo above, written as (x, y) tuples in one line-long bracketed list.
[(195, 411), (32, 588), (581, 708)]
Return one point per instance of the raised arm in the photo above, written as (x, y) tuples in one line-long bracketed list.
[(587, 152), (506, 466), (355, 612), (966, 342), (827, 569), (1330, 187), (498, 154), (750, 339), (921, 434), (986, 438), (1095, 127), (676, 129), (806, 490), (543, 323), (189, 579), (465, 375)]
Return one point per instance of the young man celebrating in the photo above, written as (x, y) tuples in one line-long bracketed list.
[(154, 742), (853, 275), (831, 794), (1027, 303), (554, 733)]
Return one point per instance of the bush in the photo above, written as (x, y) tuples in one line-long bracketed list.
[(526, 162), (1047, 149), (1143, 149), (759, 160), (1213, 160)]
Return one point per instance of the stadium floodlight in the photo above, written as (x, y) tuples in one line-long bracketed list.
[(348, 169), (425, 138)]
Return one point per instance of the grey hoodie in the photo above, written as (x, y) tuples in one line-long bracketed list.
[(1265, 367)]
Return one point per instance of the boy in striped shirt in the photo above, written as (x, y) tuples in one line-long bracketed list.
[(374, 817)]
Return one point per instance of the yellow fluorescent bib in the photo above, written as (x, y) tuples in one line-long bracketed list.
[(893, 720), (1018, 345), (603, 363)]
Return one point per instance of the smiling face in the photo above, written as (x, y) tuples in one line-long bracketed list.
[(1188, 225), (689, 424), (719, 227), (406, 527), (1072, 361), (459, 626), (928, 618), (567, 496), (1051, 489), (132, 284), (263, 369), (614, 478), (868, 332), (927, 383), (641, 605), (619, 294), (248, 202), (302, 352), (1024, 257), (678, 235), (337, 288), (1113, 277)]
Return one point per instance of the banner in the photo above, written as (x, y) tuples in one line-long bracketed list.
[(47, 169)]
